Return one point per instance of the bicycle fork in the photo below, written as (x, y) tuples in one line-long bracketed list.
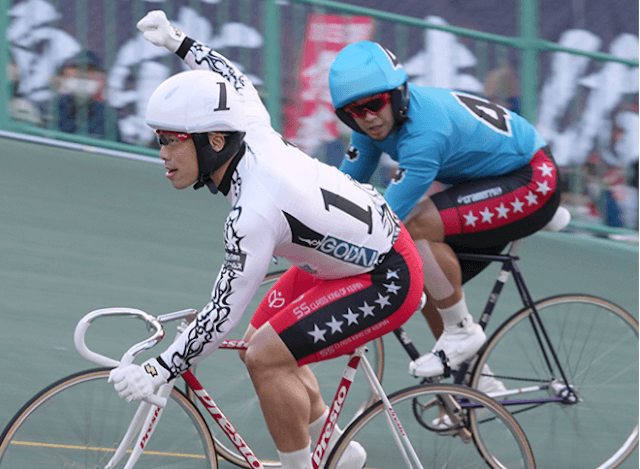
[(143, 423), (400, 436)]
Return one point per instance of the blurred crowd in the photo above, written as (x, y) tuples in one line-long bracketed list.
[(600, 191), (78, 104)]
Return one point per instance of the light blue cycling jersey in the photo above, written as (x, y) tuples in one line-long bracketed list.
[(451, 137)]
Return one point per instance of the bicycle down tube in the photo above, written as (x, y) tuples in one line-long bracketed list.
[(509, 266), (149, 413)]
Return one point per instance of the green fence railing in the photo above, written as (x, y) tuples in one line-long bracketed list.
[(273, 58), (271, 11)]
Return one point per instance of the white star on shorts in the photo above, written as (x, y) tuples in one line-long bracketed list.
[(546, 170), (366, 309), (531, 198), (502, 211), (335, 325), (382, 301), (486, 215), (317, 334), (351, 317), (471, 219), (543, 187), (392, 288), (392, 274), (517, 206)]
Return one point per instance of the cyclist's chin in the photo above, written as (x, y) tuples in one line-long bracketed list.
[(378, 133)]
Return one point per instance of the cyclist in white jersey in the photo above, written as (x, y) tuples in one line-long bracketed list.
[(356, 273)]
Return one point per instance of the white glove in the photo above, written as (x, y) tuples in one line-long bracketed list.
[(136, 382), (155, 28)]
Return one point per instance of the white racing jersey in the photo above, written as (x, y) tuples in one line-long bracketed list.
[(286, 204)]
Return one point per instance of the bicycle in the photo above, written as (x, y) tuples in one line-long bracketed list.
[(561, 359), (79, 422), (243, 406)]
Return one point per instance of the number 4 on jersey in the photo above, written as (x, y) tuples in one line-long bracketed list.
[(490, 114)]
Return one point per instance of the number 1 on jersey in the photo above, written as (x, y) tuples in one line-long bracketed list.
[(347, 207)]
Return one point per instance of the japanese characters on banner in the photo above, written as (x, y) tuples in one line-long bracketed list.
[(582, 103), (310, 120)]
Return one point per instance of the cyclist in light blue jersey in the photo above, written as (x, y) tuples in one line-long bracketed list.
[(502, 178)]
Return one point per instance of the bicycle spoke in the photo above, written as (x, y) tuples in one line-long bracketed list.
[(80, 423), (596, 344), (488, 441)]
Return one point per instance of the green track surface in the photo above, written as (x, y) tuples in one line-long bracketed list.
[(81, 231)]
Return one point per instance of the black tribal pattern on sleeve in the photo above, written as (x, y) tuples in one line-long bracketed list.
[(217, 64), (210, 323)]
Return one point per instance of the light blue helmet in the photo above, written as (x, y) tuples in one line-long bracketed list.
[(363, 69)]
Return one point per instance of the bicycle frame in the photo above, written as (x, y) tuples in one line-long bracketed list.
[(509, 266), (149, 412)]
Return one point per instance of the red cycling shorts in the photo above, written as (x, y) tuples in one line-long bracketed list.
[(322, 319)]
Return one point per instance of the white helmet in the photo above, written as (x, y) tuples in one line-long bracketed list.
[(197, 102)]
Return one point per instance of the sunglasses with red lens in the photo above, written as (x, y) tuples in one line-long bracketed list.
[(374, 105), (161, 136)]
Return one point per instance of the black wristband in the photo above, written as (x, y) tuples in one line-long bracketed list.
[(164, 365), (184, 47)]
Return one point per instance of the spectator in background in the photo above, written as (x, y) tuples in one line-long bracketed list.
[(79, 107), (501, 87), (621, 197), (20, 109)]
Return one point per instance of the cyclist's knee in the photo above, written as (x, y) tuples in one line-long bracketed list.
[(425, 222), (247, 337), (266, 351)]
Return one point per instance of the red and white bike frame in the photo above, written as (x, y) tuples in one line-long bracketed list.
[(149, 412)]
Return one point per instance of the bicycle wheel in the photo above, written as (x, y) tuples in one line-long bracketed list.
[(227, 381), (79, 421), (597, 347), (499, 441)]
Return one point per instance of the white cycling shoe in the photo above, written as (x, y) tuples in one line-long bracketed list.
[(488, 384), (354, 457), (456, 344)]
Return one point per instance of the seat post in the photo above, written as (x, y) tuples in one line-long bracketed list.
[(514, 247)]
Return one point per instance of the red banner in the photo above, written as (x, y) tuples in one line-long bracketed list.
[(310, 120)]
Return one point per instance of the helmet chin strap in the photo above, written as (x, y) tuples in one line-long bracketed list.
[(209, 160)]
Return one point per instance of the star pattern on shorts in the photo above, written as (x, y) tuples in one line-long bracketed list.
[(392, 288), (489, 213), (471, 219), (517, 206), (317, 334), (543, 188), (335, 325), (351, 317), (392, 274), (546, 170), (486, 215), (531, 198), (356, 313), (502, 211), (366, 309), (382, 301)]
